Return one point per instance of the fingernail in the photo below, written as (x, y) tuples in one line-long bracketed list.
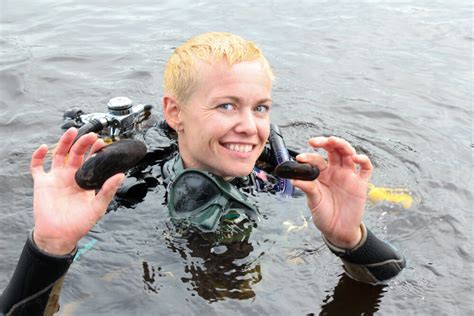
[(301, 156)]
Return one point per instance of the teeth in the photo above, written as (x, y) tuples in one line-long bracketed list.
[(239, 148)]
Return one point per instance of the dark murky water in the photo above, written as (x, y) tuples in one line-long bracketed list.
[(395, 79)]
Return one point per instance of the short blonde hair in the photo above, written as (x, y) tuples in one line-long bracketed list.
[(180, 76)]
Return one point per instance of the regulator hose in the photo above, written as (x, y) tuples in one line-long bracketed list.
[(94, 125)]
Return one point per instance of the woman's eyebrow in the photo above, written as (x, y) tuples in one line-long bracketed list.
[(229, 97), (238, 100), (265, 100)]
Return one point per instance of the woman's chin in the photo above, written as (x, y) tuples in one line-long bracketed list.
[(236, 170)]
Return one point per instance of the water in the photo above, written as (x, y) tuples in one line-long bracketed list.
[(393, 78)]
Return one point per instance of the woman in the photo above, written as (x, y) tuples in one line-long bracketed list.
[(217, 98)]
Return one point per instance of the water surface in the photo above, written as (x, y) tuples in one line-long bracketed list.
[(393, 78)]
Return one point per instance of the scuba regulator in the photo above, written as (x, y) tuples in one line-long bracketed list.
[(121, 119)]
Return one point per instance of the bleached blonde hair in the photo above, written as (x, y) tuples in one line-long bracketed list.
[(181, 72)]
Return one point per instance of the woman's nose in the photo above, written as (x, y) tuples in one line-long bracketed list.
[(247, 123)]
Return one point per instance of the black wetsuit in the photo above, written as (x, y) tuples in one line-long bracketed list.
[(35, 285)]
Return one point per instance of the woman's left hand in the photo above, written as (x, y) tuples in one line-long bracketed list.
[(337, 198)]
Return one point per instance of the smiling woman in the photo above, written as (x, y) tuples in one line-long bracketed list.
[(217, 97), (223, 122)]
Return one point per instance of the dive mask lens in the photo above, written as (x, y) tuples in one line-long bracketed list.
[(191, 192), (201, 199)]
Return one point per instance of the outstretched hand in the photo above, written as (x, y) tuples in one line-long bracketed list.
[(64, 212), (337, 198)]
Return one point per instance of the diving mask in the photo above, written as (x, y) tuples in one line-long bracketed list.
[(204, 200)]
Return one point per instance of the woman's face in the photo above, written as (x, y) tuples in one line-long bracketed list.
[(225, 123)]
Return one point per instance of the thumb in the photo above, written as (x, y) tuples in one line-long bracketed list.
[(106, 193)]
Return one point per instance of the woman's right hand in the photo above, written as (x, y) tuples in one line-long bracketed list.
[(64, 212)]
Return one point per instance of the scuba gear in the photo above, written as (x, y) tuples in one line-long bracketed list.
[(203, 200), (278, 147), (121, 119)]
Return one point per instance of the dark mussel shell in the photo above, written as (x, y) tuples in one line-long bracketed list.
[(295, 170), (117, 157)]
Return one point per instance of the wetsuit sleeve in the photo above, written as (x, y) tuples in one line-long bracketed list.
[(35, 285), (371, 261)]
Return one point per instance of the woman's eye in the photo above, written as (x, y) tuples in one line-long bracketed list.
[(262, 108), (226, 106)]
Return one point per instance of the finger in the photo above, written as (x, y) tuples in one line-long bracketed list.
[(339, 151), (37, 160), (107, 192), (313, 159), (98, 145), (323, 142), (344, 150), (78, 150), (366, 166), (342, 146), (65, 142)]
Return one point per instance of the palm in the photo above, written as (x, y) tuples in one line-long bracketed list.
[(61, 207), (345, 196)]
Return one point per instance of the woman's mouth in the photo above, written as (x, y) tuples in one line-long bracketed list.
[(240, 148)]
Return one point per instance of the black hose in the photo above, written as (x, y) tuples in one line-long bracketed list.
[(267, 156), (93, 126), (293, 153)]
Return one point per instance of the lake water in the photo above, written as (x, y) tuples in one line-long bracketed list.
[(393, 78)]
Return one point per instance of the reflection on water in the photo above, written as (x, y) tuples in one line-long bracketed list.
[(150, 273), (350, 297), (218, 271)]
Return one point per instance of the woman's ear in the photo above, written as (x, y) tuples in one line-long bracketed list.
[(172, 112)]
